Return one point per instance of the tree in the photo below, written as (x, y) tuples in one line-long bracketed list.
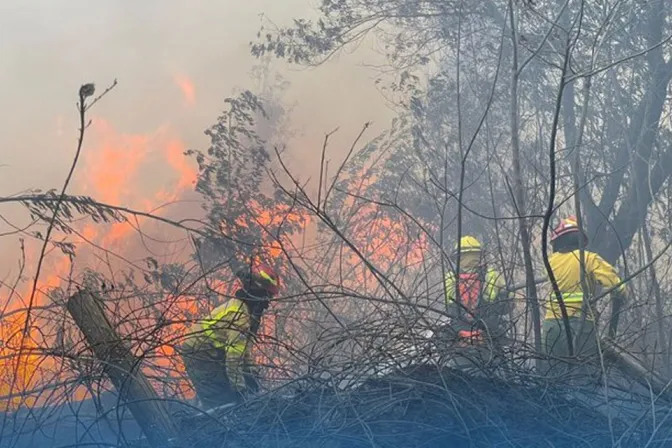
[(244, 213)]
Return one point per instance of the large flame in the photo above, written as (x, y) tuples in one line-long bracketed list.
[(122, 169), (16, 371), (118, 169)]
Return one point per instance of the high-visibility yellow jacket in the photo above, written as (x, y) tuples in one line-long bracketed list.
[(226, 328), (493, 281), (566, 267)]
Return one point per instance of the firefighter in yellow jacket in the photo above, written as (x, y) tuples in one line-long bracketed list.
[(482, 293), (216, 352), (566, 241)]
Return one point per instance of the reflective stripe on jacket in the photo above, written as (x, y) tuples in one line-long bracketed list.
[(494, 283), (566, 267), (226, 328), (573, 303)]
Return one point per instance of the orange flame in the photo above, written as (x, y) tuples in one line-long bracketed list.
[(114, 171), (11, 385), (118, 170), (187, 88), (188, 173), (269, 221)]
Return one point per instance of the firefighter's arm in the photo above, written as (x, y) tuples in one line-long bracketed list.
[(500, 292), (605, 274), (221, 329), (497, 297), (496, 292), (236, 348), (451, 306)]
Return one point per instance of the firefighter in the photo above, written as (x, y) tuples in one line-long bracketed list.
[(217, 350), (482, 292), (566, 241)]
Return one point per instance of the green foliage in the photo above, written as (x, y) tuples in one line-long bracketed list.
[(244, 207)]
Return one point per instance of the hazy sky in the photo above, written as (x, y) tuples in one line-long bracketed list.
[(175, 62)]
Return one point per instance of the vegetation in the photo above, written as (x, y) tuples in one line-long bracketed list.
[(509, 114)]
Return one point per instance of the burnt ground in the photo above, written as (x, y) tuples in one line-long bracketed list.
[(420, 407), (71, 424)]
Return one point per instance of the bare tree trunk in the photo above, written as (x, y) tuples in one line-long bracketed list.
[(123, 369), (648, 171), (662, 339), (519, 191), (576, 140)]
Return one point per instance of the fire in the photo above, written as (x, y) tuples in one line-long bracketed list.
[(179, 311), (112, 166), (187, 88), (117, 169), (89, 232), (188, 173), (275, 224), (385, 241), (16, 373), (123, 169), (117, 232)]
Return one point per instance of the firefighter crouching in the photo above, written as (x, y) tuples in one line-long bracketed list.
[(217, 350), (482, 293), (566, 240)]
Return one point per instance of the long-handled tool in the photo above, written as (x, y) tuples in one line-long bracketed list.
[(637, 370)]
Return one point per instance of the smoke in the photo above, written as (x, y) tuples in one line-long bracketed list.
[(175, 62)]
